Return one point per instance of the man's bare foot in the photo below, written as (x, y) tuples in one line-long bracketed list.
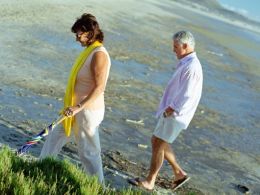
[(179, 176), (145, 184), (141, 183), (179, 182)]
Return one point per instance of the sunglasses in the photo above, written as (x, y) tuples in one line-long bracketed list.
[(78, 35)]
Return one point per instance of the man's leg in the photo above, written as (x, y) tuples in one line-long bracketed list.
[(158, 148), (170, 157)]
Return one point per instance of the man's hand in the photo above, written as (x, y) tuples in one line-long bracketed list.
[(168, 112)]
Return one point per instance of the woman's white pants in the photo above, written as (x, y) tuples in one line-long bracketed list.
[(87, 139)]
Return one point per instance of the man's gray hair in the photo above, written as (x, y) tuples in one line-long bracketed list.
[(184, 37)]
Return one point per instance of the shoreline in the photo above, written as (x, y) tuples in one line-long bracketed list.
[(217, 16)]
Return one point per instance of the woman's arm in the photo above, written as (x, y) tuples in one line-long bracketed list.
[(99, 66)]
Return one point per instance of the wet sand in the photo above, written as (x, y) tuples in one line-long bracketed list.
[(219, 150)]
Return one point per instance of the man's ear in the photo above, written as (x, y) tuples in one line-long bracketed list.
[(184, 45)]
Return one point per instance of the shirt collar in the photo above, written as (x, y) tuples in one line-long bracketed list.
[(186, 59)]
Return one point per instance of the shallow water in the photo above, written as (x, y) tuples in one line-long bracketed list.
[(221, 146)]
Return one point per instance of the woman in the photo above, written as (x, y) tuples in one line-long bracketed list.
[(84, 99)]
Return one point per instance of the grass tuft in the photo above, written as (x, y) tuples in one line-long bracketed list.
[(47, 176)]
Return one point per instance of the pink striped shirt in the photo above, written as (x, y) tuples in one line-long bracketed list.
[(184, 90)]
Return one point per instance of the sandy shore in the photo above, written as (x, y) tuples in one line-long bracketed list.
[(220, 148)]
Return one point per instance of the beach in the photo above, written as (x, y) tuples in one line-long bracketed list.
[(220, 148)]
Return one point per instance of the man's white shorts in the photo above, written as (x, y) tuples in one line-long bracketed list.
[(167, 129)]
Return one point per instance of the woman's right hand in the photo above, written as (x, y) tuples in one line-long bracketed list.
[(71, 111), (68, 112)]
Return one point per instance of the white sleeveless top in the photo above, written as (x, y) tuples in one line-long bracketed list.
[(85, 81)]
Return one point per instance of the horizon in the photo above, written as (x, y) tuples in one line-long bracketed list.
[(249, 10)]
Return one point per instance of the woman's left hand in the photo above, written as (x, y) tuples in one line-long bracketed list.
[(71, 111)]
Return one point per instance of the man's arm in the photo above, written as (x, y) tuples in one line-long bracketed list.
[(189, 81)]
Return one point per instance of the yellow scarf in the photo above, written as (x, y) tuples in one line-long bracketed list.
[(69, 98)]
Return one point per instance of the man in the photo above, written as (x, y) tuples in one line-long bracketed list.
[(177, 107)]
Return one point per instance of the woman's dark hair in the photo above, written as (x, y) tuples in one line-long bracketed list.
[(88, 23)]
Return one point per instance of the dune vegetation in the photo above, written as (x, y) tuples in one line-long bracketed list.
[(48, 176)]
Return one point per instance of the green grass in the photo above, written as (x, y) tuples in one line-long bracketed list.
[(48, 176)]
